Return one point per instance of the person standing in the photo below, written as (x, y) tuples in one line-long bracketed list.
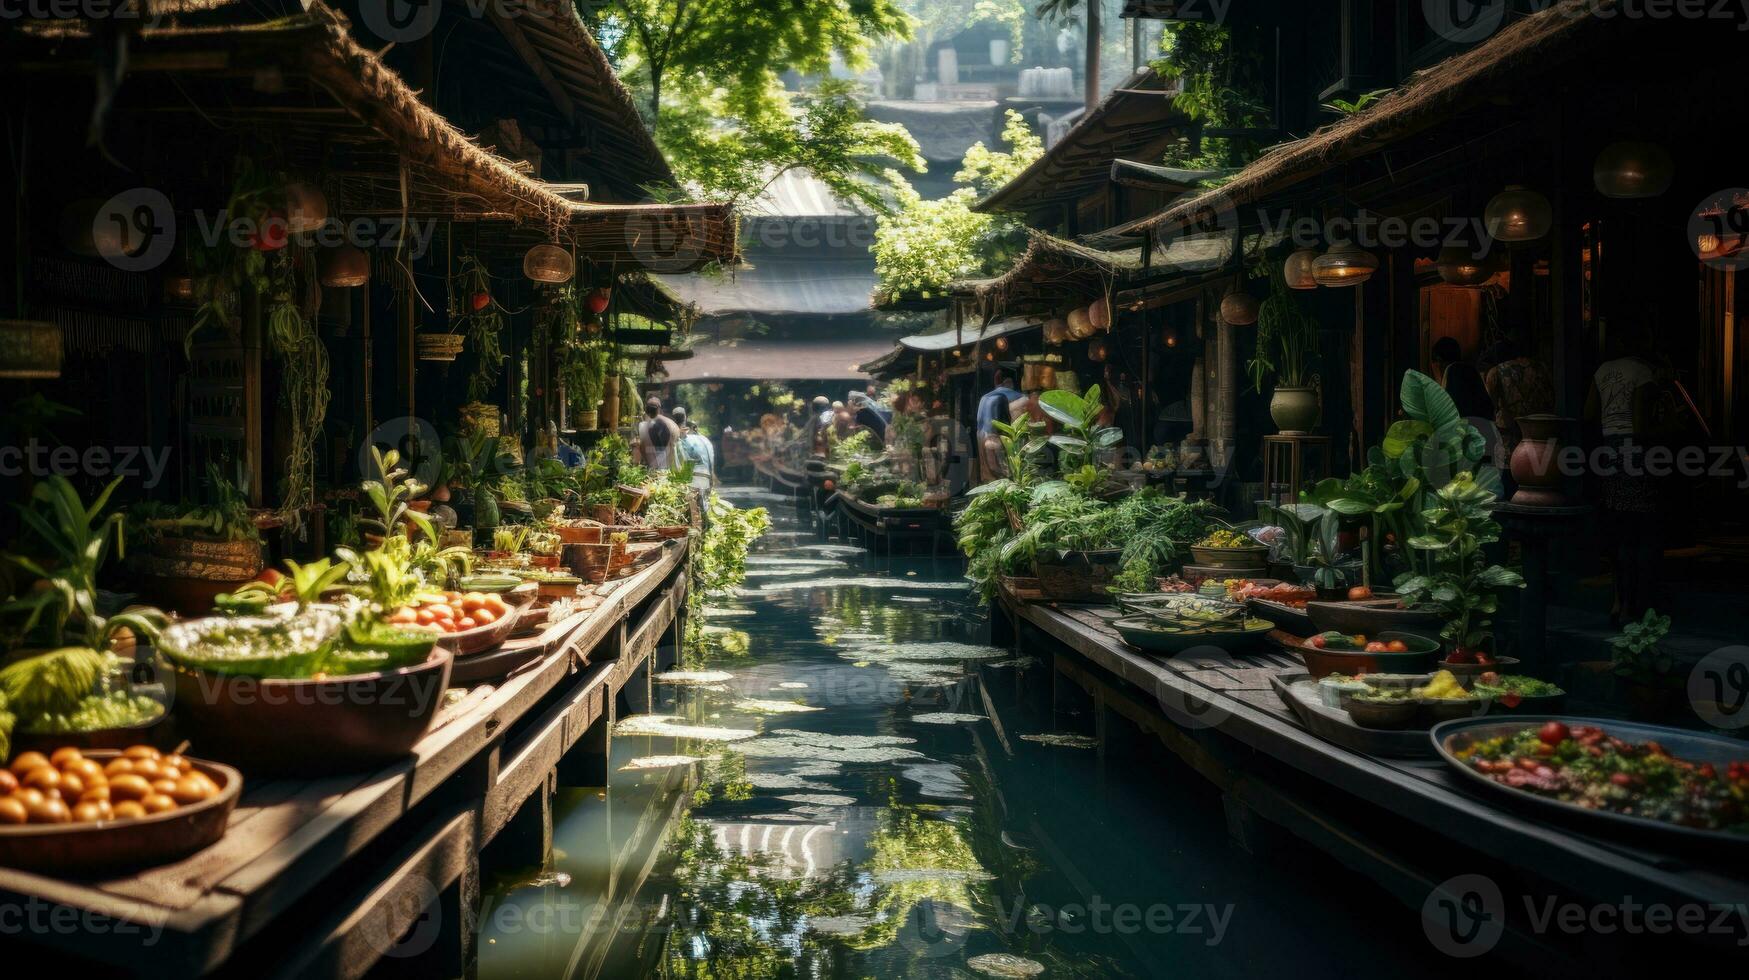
[(1518, 386), (1619, 405), (992, 408), (657, 436), (697, 450)]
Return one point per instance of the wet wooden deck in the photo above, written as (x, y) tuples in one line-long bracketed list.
[(325, 876)]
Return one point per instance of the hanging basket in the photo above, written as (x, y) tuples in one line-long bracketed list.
[(30, 349), (586, 421), (438, 346)]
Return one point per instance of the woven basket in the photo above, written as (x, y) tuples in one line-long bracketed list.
[(1079, 576), (438, 346)]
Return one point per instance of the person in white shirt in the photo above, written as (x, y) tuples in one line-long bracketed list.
[(1618, 404), (658, 436), (697, 449)]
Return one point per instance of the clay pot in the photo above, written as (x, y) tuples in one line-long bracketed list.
[(1295, 410), (1535, 462), (589, 562)]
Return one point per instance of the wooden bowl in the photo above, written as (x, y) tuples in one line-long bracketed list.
[(107, 845), (311, 727), (480, 638), (1371, 617), (1418, 660), (1255, 556)]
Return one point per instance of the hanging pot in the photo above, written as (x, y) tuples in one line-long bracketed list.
[(1056, 330), (1080, 325), (30, 349), (1518, 214), (343, 267), (1630, 170), (549, 264), (1459, 266), (1099, 311), (306, 208), (1297, 270), (438, 346)]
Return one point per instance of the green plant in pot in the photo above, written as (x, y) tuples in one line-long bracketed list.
[(1462, 586), (1071, 540), (992, 515), (1287, 350), (1645, 672), (1082, 437), (1327, 575), (1301, 524)]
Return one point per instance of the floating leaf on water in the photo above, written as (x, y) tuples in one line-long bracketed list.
[(673, 726), (897, 876), (727, 612), (693, 678), (793, 686), (819, 799), (1021, 662), (911, 598), (1063, 741), (659, 762), (763, 706), (1005, 965), (944, 718), (758, 561), (940, 780), (853, 583), (783, 780), (840, 925), (830, 748), (939, 650)]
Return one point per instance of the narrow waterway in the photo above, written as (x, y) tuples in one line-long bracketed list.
[(882, 794)]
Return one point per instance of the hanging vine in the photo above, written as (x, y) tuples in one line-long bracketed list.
[(304, 363), (483, 322)]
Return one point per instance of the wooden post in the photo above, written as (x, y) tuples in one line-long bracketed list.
[(1093, 30)]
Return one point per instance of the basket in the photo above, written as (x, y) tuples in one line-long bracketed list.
[(438, 346), (1079, 576)]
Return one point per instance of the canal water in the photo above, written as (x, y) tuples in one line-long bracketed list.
[(882, 793)]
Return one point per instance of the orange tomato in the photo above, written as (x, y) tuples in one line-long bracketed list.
[(1397, 646), (466, 623), (485, 617), (497, 604), (441, 610), (404, 616)]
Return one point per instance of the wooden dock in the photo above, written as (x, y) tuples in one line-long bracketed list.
[(1410, 825), (325, 877)]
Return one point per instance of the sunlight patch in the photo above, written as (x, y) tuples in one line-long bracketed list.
[(944, 718), (819, 799), (768, 707), (694, 678), (673, 726), (659, 762), (1005, 965)]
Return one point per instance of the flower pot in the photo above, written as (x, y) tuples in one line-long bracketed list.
[(184, 574), (1078, 576), (603, 513), (580, 533), (1535, 462), (1295, 410), (585, 421), (589, 562)]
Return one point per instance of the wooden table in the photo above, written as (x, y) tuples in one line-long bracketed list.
[(322, 877), (1218, 712)]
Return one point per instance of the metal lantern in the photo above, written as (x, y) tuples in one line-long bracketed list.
[(30, 349), (1518, 214), (1630, 169), (1345, 265), (1297, 270), (1460, 266), (1239, 308), (548, 264), (343, 267)]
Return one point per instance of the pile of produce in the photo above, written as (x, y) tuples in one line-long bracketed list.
[(1358, 643), (1587, 767), (1224, 538), (67, 787), (453, 612)]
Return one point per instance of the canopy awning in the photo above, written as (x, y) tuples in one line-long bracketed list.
[(971, 334), (812, 359), (797, 286)]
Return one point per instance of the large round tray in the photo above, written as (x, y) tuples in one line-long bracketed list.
[(1142, 634), (1691, 746)]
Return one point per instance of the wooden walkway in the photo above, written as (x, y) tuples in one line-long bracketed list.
[(323, 877), (1219, 713)]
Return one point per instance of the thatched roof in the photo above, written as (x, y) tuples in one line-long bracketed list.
[(1137, 120), (1541, 41), (328, 106)]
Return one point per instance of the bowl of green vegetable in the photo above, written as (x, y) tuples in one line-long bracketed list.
[(306, 694), (1516, 694)]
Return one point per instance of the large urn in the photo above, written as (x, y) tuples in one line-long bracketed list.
[(1536, 462)]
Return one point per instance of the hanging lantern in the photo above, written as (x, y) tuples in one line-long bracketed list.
[(1098, 350), (1297, 270), (1171, 337), (1100, 313), (1708, 244), (1056, 330), (1459, 266), (549, 264), (1518, 214), (30, 349), (1345, 265), (1630, 169), (1002, 345), (1239, 308), (178, 282), (1080, 324), (343, 267), (306, 208)]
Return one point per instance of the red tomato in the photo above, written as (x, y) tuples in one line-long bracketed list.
[(440, 610), (1358, 593), (1397, 646), (1553, 733), (598, 301), (480, 300), (269, 575), (1377, 647), (1319, 641), (424, 617), (465, 623)]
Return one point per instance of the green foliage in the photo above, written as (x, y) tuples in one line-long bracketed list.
[(861, 444), (227, 518), (51, 683), (985, 170), (719, 563), (1059, 521), (1082, 437), (309, 581), (1155, 528), (982, 530), (1462, 586), (1343, 107), (1637, 652), (1223, 75), (483, 327), (1300, 522), (1287, 339)]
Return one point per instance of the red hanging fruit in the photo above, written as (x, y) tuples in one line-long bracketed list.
[(273, 233), (480, 300), (598, 301)]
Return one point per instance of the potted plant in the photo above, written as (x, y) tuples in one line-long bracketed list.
[(1287, 349), (1322, 569), (186, 555), (1072, 543), (1462, 586), (1645, 673), (63, 680), (1082, 437)]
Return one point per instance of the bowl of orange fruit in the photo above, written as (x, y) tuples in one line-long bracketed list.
[(470, 622)]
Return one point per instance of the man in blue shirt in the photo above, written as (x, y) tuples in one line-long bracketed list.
[(993, 408)]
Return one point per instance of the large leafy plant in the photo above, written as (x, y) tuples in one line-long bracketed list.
[(1638, 653), (1462, 586), (1287, 340), (1082, 437)]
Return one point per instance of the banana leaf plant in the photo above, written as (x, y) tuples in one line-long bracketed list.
[(1462, 586), (1301, 522), (1082, 437)]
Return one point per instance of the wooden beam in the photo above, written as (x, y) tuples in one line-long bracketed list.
[(511, 28)]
